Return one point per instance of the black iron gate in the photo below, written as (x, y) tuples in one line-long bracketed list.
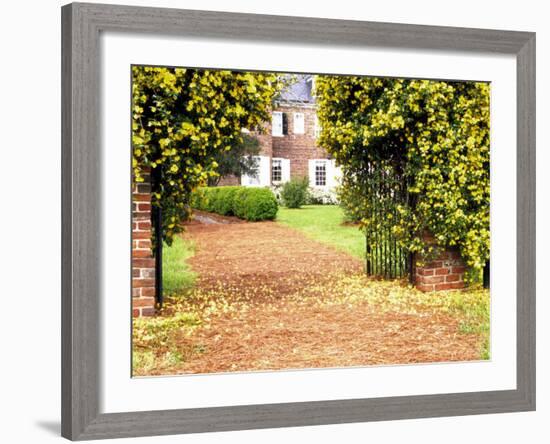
[(384, 187), (156, 223)]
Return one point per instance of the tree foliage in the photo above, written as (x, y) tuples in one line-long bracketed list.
[(238, 160), (432, 134), (182, 119)]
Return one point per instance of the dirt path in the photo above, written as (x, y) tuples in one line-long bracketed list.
[(246, 255), (278, 305)]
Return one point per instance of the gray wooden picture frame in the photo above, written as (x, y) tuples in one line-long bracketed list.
[(81, 231)]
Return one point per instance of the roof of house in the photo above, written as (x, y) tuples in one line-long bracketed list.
[(299, 91)]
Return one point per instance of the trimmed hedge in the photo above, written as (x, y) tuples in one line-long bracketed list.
[(248, 203)]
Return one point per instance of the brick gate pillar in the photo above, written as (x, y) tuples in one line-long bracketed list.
[(444, 272), (143, 262)]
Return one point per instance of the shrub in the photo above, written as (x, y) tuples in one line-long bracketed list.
[(211, 199), (223, 201), (295, 193), (215, 199), (322, 196), (252, 204), (198, 199), (351, 202), (276, 190)]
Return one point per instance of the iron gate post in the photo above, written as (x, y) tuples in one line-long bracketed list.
[(156, 214), (487, 275)]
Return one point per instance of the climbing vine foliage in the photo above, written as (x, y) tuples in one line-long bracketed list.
[(434, 136), (181, 119)]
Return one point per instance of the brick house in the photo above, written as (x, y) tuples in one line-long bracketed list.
[(289, 146)]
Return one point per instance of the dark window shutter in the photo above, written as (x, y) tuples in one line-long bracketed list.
[(285, 124)]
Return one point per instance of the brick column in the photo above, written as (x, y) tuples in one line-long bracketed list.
[(445, 272), (143, 262)]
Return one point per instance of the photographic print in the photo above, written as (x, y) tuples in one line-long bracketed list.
[(285, 221)]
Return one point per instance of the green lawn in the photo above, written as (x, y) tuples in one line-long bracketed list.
[(176, 274), (324, 224)]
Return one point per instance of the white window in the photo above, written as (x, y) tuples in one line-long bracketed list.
[(277, 123), (280, 170), (320, 173), (276, 170), (299, 127)]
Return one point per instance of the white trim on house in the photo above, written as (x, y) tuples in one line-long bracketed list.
[(285, 170), (314, 177), (335, 175), (311, 172), (277, 124), (299, 123), (263, 178), (331, 175), (320, 173), (276, 170)]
